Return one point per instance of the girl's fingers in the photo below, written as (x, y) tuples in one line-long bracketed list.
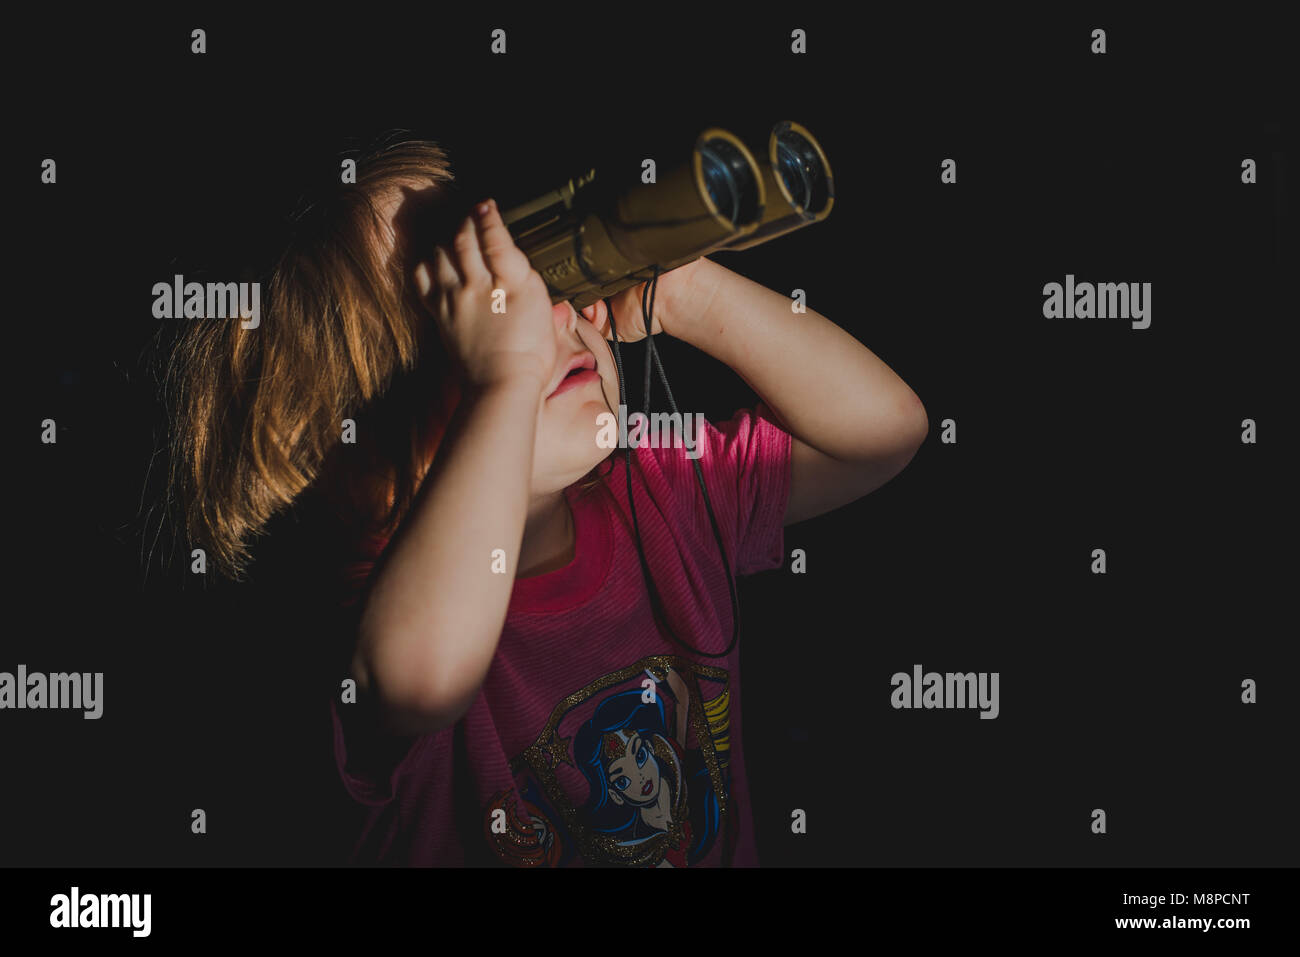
[(445, 275), (436, 279), (598, 315), (469, 256), (626, 317), (503, 259)]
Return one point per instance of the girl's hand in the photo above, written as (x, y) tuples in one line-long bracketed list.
[(677, 295), (458, 289)]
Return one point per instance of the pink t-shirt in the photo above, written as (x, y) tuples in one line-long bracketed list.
[(596, 740)]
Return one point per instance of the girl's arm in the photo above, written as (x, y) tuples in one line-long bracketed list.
[(434, 615), (855, 424)]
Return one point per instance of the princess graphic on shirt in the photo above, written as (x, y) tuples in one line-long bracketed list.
[(644, 792), (646, 785)]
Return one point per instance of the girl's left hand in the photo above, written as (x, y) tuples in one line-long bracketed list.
[(674, 296)]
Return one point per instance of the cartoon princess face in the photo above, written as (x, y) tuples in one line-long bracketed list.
[(656, 794), (633, 769)]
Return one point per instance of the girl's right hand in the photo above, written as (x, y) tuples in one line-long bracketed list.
[(458, 288)]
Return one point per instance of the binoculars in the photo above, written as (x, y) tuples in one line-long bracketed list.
[(589, 240)]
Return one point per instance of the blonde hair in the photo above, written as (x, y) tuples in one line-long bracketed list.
[(256, 415)]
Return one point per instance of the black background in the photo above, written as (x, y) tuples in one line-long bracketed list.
[(1119, 691)]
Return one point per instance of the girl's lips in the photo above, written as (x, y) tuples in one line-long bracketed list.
[(575, 381), (645, 790)]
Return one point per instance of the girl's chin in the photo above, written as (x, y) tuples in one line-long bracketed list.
[(584, 433)]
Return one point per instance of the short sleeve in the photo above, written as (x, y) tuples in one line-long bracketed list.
[(370, 759), (748, 458)]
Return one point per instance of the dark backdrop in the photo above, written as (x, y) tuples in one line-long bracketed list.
[(1119, 691)]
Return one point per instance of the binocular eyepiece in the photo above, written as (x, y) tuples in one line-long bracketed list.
[(590, 241)]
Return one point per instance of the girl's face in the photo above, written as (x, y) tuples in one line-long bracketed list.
[(567, 426), (568, 419)]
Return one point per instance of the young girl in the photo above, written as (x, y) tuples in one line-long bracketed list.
[(517, 698)]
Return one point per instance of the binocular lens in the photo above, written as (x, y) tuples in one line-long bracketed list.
[(729, 179), (801, 171)]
